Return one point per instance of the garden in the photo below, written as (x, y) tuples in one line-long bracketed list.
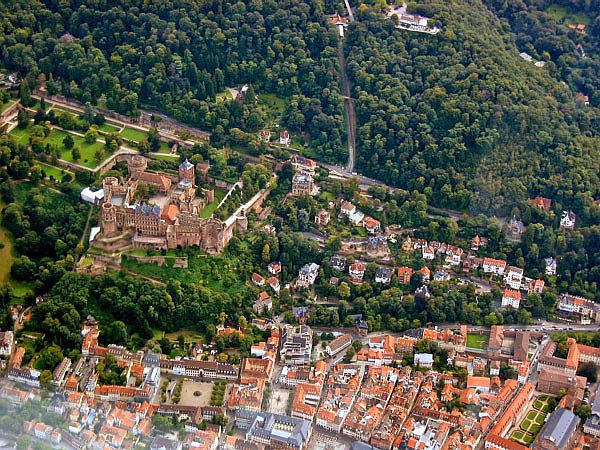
[(532, 423)]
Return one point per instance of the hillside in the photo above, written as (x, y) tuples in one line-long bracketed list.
[(462, 117)]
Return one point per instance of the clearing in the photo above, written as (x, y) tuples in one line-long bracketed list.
[(564, 15), (477, 340)]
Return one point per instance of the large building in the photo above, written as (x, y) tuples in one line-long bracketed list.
[(558, 433), (176, 224), (296, 344), (275, 430)]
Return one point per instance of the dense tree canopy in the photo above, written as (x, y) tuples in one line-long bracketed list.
[(462, 114)]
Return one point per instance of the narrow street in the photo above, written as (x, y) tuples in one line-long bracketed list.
[(349, 112)]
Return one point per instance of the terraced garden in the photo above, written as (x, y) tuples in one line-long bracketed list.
[(532, 423)]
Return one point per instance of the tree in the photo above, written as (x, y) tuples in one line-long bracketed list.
[(23, 442), (45, 378), (99, 155), (35, 173), (91, 135), (266, 253), (344, 290), (583, 411), (49, 358), (68, 142), (588, 370), (76, 154), (153, 139), (350, 354)]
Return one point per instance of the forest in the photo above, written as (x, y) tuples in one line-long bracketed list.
[(177, 56), (461, 114)]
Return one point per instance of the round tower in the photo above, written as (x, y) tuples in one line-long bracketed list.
[(186, 172), (109, 219), (137, 165)]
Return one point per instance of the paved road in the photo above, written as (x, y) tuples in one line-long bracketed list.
[(349, 112)]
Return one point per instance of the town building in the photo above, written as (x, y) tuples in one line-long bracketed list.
[(494, 266), (592, 423), (303, 166), (511, 298), (6, 343), (339, 344), (338, 263), (404, 275), (274, 268), (308, 275), (263, 303), (550, 266), (322, 218), (513, 276), (296, 344), (383, 275), (567, 220), (357, 272), (303, 185), (558, 433), (371, 225), (277, 431), (423, 360), (541, 203), (284, 138)]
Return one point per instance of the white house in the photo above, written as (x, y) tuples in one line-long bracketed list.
[(356, 218), (357, 272), (428, 253), (347, 208), (514, 277), (383, 275), (284, 138), (308, 275), (496, 266), (550, 266), (511, 298), (567, 220)]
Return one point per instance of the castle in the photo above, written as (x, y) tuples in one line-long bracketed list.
[(175, 224)]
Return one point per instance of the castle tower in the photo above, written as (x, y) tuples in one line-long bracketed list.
[(137, 165), (186, 172), (109, 219)]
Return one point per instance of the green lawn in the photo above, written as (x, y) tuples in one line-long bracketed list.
[(525, 424), (5, 105), (21, 135), (108, 128), (477, 340), (165, 157), (133, 135), (55, 172), (223, 96), (164, 147), (207, 212)]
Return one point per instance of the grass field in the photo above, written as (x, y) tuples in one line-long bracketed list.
[(56, 138), (133, 135), (108, 128), (55, 172), (541, 404), (207, 212), (477, 340), (531, 425), (563, 15)]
